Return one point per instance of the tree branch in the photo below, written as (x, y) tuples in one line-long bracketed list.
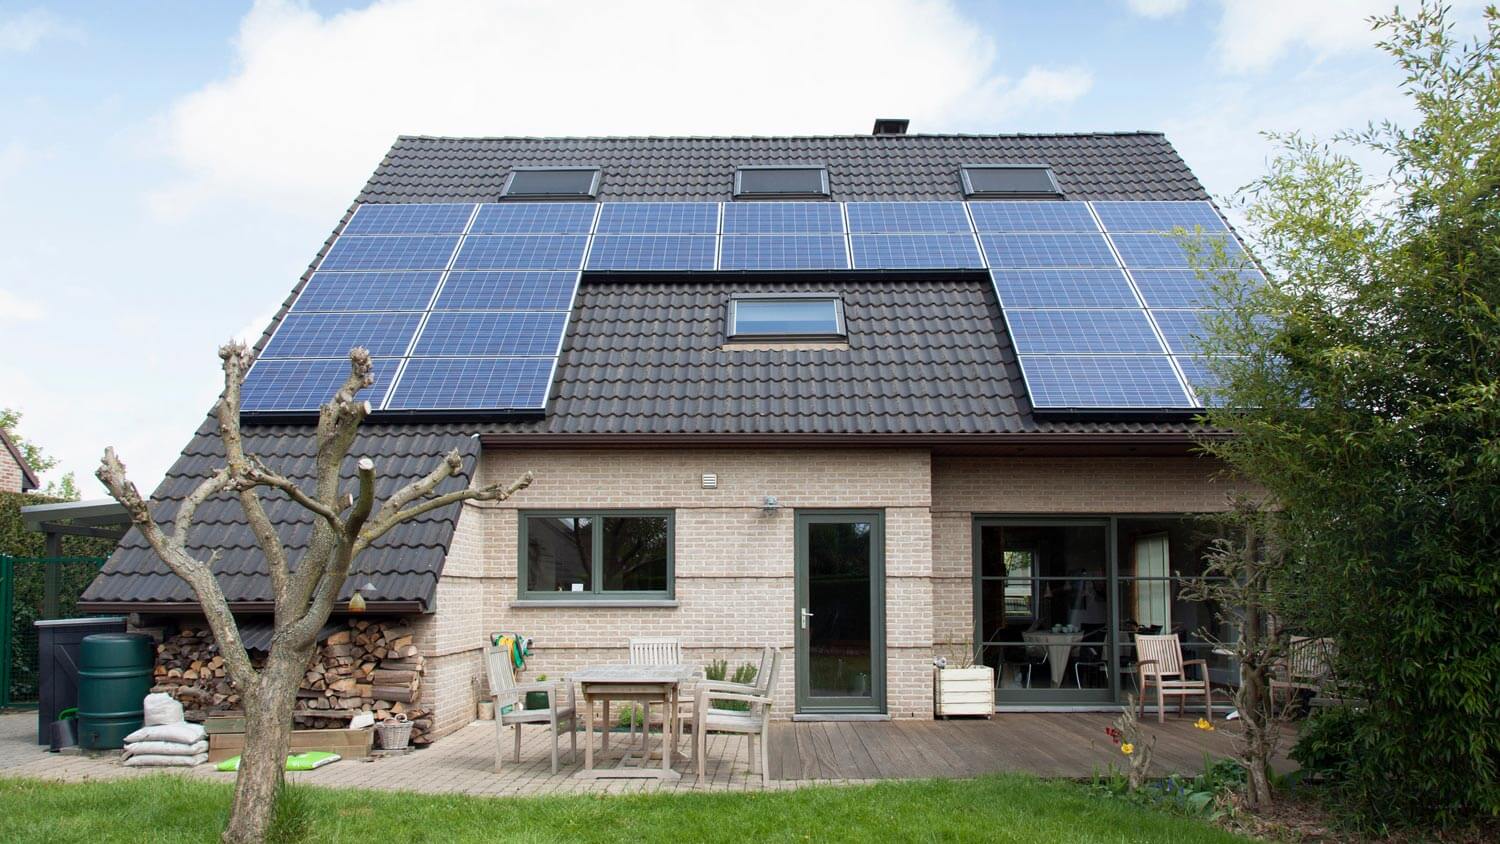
[(389, 518)]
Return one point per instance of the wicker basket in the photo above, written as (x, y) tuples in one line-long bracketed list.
[(394, 732)]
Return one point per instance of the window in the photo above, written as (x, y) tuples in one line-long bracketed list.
[(555, 182), (594, 555), (815, 316), (1009, 180), (780, 182)]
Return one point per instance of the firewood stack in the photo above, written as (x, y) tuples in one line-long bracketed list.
[(371, 666)]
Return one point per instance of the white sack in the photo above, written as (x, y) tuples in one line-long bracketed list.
[(181, 733), (362, 720), (165, 748), (152, 761), (162, 709)]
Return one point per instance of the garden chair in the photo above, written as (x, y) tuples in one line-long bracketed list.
[(1159, 662), (1093, 652), (754, 722), (1306, 667), (509, 697), (757, 686), (653, 650)]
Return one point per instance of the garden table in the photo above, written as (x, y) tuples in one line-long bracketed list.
[(644, 684), (1059, 650)]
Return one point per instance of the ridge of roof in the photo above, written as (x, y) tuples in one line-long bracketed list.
[(798, 137)]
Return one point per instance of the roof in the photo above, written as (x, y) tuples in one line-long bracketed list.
[(404, 565), (1100, 165), (29, 480)]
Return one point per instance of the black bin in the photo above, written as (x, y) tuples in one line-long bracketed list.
[(58, 641)]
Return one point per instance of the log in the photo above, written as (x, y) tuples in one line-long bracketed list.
[(394, 677), (400, 694)]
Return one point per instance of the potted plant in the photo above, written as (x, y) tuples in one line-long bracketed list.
[(537, 700), (963, 686)]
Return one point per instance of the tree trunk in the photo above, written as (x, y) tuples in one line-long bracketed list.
[(268, 728)]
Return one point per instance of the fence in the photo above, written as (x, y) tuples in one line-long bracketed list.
[(27, 594)]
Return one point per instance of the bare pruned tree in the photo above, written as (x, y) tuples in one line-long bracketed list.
[(346, 523)]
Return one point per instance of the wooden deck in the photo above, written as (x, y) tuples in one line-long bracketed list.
[(1064, 744)]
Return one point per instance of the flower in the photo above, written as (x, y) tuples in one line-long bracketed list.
[(1127, 748), (1203, 724)]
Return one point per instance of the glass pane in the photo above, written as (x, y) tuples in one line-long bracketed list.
[(635, 553), (838, 596), (559, 554), (789, 180), (1051, 661), (551, 183), (782, 316), (1010, 180)]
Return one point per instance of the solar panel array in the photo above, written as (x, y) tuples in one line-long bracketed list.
[(463, 306)]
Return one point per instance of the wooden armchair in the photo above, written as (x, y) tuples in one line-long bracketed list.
[(508, 694), (754, 722), (1306, 667), (1159, 663)]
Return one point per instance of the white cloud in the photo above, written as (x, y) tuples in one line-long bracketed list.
[(1157, 8), (23, 32), (13, 308), (1253, 34), (314, 101)]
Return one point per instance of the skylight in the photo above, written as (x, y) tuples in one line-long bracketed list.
[(780, 182), (552, 182), (786, 316), (1009, 180)]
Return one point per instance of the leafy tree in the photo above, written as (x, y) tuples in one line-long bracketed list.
[(1365, 387), (40, 462)]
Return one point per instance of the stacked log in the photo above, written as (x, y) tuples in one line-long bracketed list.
[(370, 666)]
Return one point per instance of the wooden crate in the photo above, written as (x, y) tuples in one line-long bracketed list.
[(224, 723), (350, 744), (963, 691)]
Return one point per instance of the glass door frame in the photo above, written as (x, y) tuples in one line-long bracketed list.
[(1109, 694), (876, 703)]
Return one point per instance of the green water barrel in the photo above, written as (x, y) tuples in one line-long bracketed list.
[(114, 677)]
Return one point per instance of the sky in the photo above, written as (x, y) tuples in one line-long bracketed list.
[(168, 169)]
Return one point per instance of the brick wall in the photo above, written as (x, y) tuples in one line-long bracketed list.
[(11, 476)]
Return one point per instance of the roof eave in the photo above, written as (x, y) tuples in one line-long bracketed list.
[(193, 607), (1081, 442)]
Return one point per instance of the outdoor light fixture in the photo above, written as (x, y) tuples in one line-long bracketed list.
[(770, 505), (357, 601)]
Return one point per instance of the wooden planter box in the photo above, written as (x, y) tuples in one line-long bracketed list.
[(350, 744), (963, 691)]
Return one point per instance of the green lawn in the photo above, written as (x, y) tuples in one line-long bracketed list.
[(995, 808)]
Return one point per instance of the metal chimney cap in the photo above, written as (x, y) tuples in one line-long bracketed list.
[(890, 126)]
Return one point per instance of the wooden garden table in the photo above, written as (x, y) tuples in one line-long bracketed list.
[(643, 684)]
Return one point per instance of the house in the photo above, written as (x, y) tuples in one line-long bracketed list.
[(771, 395), (16, 475)]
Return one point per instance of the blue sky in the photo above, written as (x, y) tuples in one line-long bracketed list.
[(167, 169)]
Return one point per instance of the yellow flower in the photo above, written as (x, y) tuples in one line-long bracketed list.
[(1127, 748), (1203, 724)]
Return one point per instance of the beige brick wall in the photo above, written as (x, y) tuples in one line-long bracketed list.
[(963, 487), (10, 471)]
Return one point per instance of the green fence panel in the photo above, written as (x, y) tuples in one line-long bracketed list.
[(22, 598)]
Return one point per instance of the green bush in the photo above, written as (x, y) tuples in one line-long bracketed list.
[(1327, 743)]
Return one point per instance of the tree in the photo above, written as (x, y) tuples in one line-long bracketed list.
[(304, 592), (40, 462), (1363, 383)]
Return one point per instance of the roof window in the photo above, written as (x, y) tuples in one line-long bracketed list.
[(1009, 180), (551, 183), (786, 316), (778, 181)]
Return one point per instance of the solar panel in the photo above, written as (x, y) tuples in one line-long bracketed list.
[(368, 292), (1063, 289), (507, 291), (777, 252), (534, 218), (1201, 377), (390, 253), (333, 335), (521, 252), (659, 218), (299, 385), (652, 252), (1184, 330), (907, 218), (1167, 251), (1145, 382), (490, 333), (915, 252), (1047, 250), (1032, 217), (783, 218), (1159, 216), (472, 384), (445, 218), (1082, 332)]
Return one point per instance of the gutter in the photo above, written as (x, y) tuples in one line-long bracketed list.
[(1012, 440), (192, 607)]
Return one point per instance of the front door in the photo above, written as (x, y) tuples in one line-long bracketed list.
[(840, 612)]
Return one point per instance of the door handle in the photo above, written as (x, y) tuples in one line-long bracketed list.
[(805, 616)]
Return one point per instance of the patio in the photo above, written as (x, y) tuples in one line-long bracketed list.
[(1068, 745)]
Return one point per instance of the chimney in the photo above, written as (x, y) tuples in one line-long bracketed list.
[(890, 126)]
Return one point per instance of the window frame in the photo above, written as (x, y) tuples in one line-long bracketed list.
[(599, 594), (732, 335), (510, 177), (741, 193), (971, 193)]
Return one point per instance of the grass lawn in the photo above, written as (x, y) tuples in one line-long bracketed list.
[(995, 808)]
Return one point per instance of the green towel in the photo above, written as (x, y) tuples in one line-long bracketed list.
[(295, 762)]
